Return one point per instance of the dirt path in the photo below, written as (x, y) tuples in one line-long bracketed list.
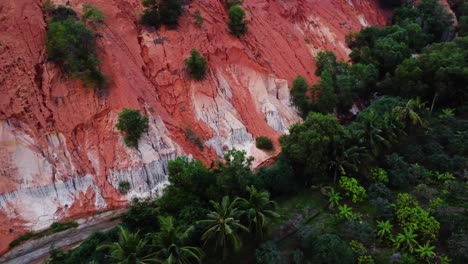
[(37, 250)]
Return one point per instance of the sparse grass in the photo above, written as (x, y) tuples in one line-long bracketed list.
[(190, 135), (54, 228)]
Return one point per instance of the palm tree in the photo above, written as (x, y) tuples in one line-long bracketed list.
[(372, 134), (168, 243), (411, 112), (385, 228), (333, 197), (130, 249), (222, 226), (406, 238), (426, 251), (257, 209)]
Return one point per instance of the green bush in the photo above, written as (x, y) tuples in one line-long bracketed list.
[(21, 239), (92, 13), (268, 253), (61, 226), (143, 216), (166, 12), (132, 124), (458, 247), (73, 46), (379, 190), (358, 230), (265, 143), (231, 3), (124, 187), (330, 248), (236, 23), (196, 65), (353, 189), (298, 95), (383, 208)]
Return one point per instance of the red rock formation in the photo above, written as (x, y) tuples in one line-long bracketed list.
[(61, 155)]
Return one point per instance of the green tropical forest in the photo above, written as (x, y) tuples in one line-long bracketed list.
[(388, 185)]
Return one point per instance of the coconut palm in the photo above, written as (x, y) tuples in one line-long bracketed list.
[(333, 197), (426, 251), (222, 226), (258, 208), (407, 239), (130, 249), (371, 133), (411, 112), (385, 228), (169, 245)]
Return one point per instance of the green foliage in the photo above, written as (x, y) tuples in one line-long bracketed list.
[(458, 247), (279, 179), (130, 248), (267, 253), (379, 190), (21, 239), (170, 247), (73, 46), (237, 23), (313, 145), (333, 197), (165, 12), (411, 216), (196, 65), (132, 124), (358, 230), (407, 239), (257, 209), (231, 3), (141, 216), (438, 74), (222, 227), (353, 189), (92, 13), (54, 228), (265, 143), (383, 208), (235, 172), (198, 18), (379, 175), (330, 248), (384, 229), (124, 187), (298, 95)]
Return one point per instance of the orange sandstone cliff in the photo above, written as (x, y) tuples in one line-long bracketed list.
[(60, 153)]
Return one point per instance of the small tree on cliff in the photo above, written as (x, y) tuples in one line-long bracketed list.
[(237, 24), (196, 64), (132, 124)]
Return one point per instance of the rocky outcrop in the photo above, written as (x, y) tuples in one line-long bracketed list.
[(61, 156)]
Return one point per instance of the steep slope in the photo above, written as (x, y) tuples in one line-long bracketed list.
[(61, 155)]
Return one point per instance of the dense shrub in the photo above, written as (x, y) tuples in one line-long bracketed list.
[(358, 230), (268, 253), (278, 179), (379, 190), (383, 208), (298, 95), (265, 143), (458, 247), (132, 124), (196, 65), (237, 23), (313, 145), (21, 239), (166, 12), (352, 188), (73, 46), (330, 248), (143, 216), (124, 187)]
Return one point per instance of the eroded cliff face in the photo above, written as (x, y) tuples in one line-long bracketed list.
[(61, 155)]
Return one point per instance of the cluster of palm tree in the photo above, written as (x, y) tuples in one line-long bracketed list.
[(224, 225), (222, 233)]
